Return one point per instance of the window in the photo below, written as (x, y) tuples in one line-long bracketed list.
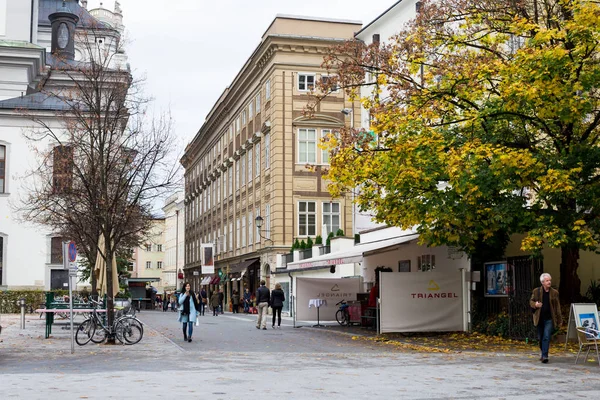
[(268, 221), (243, 117), (250, 110), (307, 146), (230, 132), (229, 181), (130, 267), (306, 82), (331, 216), (218, 182), (426, 263), (258, 103), (159, 247), (243, 170), (62, 169), (237, 174), (237, 124), (148, 247), (268, 90), (159, 264), (257, 159), (224, 243), (249, 165), (257, 229), (325, 153), (230, 236), (267, 151), (238, 233), (148, 264), (243, 231), (325, 79), (404, 266), (56, 253), (307, 218), (2, 173), (250, 228), (2, 243)]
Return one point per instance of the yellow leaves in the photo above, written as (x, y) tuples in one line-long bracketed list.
[(558, 181)]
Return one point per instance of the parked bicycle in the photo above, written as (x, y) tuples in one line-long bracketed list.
[(127, 329), (342, 315)]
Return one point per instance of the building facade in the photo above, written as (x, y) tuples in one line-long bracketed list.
[(174, 241), (30, 256), (249, 159), (149, 258)]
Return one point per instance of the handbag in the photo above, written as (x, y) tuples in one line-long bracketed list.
[(197, 319)]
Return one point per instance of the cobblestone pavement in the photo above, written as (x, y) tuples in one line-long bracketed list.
[(229, 358)]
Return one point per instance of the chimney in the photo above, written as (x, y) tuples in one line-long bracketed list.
[(63, 32)]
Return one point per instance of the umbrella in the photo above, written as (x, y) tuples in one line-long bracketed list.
[(100, 269)]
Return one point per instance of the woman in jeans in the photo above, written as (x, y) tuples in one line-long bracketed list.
[(277, 299), (187, 311)]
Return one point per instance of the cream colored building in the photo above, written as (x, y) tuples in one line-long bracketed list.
[(150, 257), (249, 158), (174, 241)]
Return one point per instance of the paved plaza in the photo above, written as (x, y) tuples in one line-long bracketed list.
[(230, 359)]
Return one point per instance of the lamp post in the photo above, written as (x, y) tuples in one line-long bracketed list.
[(259, 222)]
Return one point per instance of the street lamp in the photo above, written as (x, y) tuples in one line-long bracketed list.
[(259, 221)]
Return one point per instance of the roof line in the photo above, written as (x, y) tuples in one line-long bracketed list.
[(378, 17)]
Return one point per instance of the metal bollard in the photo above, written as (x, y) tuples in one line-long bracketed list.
[(22, 305)]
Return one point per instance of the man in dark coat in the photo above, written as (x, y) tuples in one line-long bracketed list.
[(547, 316), (263, 298)]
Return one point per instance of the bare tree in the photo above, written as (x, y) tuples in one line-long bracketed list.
[(102, 160)]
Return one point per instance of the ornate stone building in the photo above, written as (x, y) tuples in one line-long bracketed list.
[(250, 158)]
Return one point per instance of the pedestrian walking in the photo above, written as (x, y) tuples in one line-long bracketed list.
[(546, 313), (188, 306), (277, 299), (203, 301), (263, 298), (214, 303), (247, 297), (235, 302), (221, 299)]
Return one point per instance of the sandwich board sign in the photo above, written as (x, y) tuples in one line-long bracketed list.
[(582, 315)]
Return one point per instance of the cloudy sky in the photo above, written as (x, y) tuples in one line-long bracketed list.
[(190, 50)]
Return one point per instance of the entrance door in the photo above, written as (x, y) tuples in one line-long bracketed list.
[(59, 279), (285, 286)]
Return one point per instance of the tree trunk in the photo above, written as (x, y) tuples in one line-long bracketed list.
[(570, 285), (110, 314)]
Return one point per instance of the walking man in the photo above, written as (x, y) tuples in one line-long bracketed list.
[(263, 297), (221, 298), (547, 314)]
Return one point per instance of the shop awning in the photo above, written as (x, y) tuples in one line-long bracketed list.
[(352, 255), (143, 279), (206, 280), (215, 280), (241, 267)]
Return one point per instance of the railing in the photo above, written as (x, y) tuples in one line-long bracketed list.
[(304, 254), (288, 258), (324, 250)]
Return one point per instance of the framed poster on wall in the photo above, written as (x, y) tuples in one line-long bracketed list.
[(498, 278)]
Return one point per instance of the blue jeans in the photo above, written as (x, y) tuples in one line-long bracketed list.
[(190, 328), (544, 329)]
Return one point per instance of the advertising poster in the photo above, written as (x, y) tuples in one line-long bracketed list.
[(208, 262), (498, 279), (589, 322)]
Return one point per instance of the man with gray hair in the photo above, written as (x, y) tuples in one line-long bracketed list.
[(263, 298), (546, 313)]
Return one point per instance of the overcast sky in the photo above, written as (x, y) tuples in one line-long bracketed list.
[(190, 50)]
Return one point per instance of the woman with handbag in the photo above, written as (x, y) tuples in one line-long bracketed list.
[(277, 299), (187, 311)]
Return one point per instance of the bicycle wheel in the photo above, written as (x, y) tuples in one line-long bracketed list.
[(99, 335), (129, 330), (339, 316), (85, 331)]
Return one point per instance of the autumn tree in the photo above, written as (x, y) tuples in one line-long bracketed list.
[(484, 123), (103, 160)]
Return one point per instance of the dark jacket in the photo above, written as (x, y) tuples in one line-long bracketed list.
[(263, 295), (214, 300), (277, 298), (235, 299), (221, 297), (538, 295)]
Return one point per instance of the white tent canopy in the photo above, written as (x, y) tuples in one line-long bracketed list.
[(351, 255)]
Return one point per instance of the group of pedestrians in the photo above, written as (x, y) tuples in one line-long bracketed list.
[(192, 305), (266, 298)]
